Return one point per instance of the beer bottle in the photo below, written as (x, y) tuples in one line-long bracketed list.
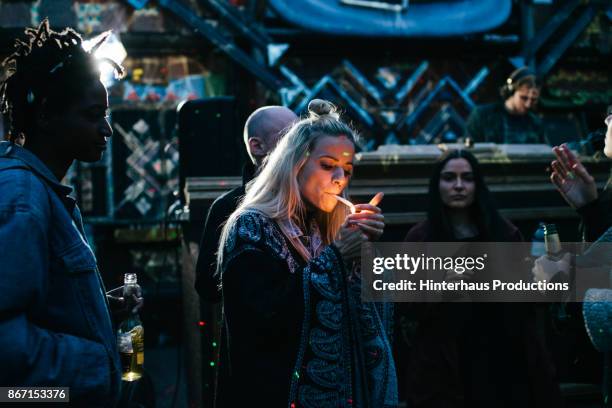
[(130, 336), (552, 243)]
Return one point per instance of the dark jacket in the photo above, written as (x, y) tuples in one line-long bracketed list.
[(474, 354), (207, 284), (597, 215), (422, 232), (493, 123), (55, 325)]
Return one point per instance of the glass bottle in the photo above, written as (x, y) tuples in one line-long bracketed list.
[(554, 252), (552, 243), (130, 336)]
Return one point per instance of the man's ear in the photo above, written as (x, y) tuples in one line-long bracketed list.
[(257, 147)]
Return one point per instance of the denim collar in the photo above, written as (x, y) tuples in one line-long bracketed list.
[(14, 151)]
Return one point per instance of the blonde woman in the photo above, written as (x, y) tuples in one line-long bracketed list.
[(296, 333)]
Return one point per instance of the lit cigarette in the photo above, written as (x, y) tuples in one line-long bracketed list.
[(377, 198), (346, 202)]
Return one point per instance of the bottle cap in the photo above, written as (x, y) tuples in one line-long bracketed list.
[(550, 229), (129, 278)]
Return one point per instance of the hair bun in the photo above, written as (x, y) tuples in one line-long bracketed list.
[(320, 107)]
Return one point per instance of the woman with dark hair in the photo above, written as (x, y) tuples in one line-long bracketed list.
[(467, 354), (460, 206)]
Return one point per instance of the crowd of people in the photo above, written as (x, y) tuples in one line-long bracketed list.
[(281, 254)]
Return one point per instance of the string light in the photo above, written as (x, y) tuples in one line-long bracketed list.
[(202, 323)]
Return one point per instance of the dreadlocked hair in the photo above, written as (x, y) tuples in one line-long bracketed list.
[(48, 71)]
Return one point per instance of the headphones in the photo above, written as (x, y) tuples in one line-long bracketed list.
[(515, 77)]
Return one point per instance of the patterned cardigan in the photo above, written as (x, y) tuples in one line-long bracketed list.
[(341, 356), (597, 306)]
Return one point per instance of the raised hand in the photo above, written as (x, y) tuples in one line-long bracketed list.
[(572, 180), (369, 218)]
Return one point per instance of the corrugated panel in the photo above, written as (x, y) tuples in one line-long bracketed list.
[(435, 19)]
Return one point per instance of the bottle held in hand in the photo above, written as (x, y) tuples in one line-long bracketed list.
[(552, 243), (130, 336)]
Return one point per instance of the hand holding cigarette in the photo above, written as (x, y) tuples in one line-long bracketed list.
[(368, 217)]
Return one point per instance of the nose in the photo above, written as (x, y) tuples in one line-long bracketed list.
[(458, 183), (106, 128), (338, 176)]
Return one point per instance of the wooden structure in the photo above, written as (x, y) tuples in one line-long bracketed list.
[(517, 175)]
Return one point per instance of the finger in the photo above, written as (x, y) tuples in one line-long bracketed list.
[(582, 172), (139, 305), (115, 300), (558, 182), (367, 207), (117, 290), (366, 216), (377, 198), (555, 149), (556, 179), (371, 230), (570, 157), (558, 153), (561, 159), (536, 272), (559, 169), (565, 158), (372, 224)]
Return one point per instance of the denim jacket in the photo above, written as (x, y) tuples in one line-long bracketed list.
[(55, 325)]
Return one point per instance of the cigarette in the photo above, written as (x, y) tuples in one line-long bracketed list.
[(346, 202)]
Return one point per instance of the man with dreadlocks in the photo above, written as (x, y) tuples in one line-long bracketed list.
[(55, 326)]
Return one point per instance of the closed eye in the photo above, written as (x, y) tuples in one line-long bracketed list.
[(330, 167)]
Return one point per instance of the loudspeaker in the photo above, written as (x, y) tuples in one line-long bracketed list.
[(210, 141)]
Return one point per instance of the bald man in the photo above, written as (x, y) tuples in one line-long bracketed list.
[(262, 131)]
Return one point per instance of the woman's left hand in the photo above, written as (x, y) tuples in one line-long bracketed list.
[(120, 306), (369, 219)]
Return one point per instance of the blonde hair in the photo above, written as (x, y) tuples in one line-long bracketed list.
[(276, 192)]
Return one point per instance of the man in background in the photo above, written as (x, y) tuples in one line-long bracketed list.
[(262, 131), (511, 120)]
